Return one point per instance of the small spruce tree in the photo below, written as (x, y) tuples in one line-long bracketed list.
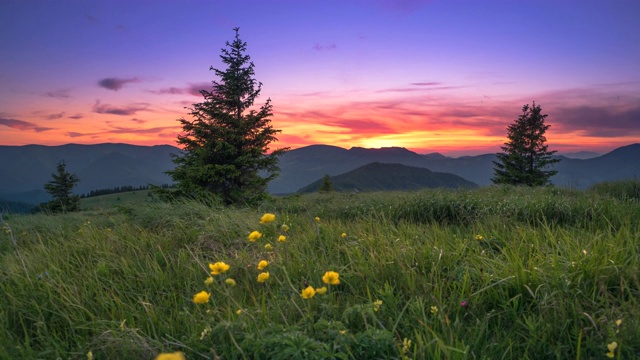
[(525, 155), (225, 145), (326, 185), (61, 189)]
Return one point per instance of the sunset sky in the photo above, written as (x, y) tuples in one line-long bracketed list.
[(431, 76)]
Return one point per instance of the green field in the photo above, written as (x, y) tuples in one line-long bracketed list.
[(492, 273)]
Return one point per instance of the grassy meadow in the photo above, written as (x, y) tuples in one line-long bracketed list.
[(492, 273)]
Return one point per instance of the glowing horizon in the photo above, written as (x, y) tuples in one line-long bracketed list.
[(429, 76)]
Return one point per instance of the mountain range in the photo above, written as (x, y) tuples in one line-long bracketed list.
[(25, 169)]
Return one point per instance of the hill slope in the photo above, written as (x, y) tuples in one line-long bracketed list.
[(386, 177)]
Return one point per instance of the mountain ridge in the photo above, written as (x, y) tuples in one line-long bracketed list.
[(25, 169)]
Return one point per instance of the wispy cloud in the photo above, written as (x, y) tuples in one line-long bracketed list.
[(55, 116), (130, 109), (76, 116), (604, 121), (125, 130), (191, 89), (22, 125), (58, 94), (116, 84), (324, 47)]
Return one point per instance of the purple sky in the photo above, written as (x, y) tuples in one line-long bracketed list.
[(445, 76)]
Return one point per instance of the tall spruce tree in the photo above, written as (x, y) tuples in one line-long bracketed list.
[(525, 155), (226, 143), (61, 189)]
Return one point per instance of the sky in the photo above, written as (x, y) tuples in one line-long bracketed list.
[(443, 76)]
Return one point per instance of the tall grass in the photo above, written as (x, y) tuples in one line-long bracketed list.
[(498, 272)]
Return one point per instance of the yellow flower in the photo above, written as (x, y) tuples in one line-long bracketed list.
[(321, 290), (479, 237), (263, 276), (239, 311), (282, 238), (343, 332), (434, 309), (308, 293), (285, 227), (209, 281), (376, 305), (230, 282), (218, 268), (201, 298), (344, 235), (268, 247), (263, 264), (178, 355), (267, 218), (255, 235), (317, 219), (331, 278), (584, 252), (611, 354), (406, 345), (89, 355), (618, 322), (612, 347)]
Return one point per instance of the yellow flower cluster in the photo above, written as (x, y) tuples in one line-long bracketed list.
[(201, 298), (263, 264), (218, 268), (331, 278), (612, 349), (254, 235), (178, 355), (308, 293), (267, 218), (376, 305), (263, 276)]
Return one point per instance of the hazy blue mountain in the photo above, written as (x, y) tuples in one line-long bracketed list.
[(580, 154), (386, 177), (25, 169)]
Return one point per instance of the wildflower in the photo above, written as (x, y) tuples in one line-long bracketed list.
[(331, 278), (201, 298), (239, 311), (376, 305), (268, 247), (464, 303), (344, 235), (317, 219), (308, 293), (343, 332), (406, 345), (618, 322), (255, 235), (321, 290), (218, 268), (282, 238), (263, 264), (267, 218), (209, 280), (584, 252), (479, 237), (284, 227), (205, 332), (434, 309), (612, 349), (178, 355), (230, 282), (263, 276), (89, 355)]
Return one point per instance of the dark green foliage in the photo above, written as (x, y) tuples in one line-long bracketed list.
[(226, 144), (60, 188), (327, 185), (626, 190), (525, 155)]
